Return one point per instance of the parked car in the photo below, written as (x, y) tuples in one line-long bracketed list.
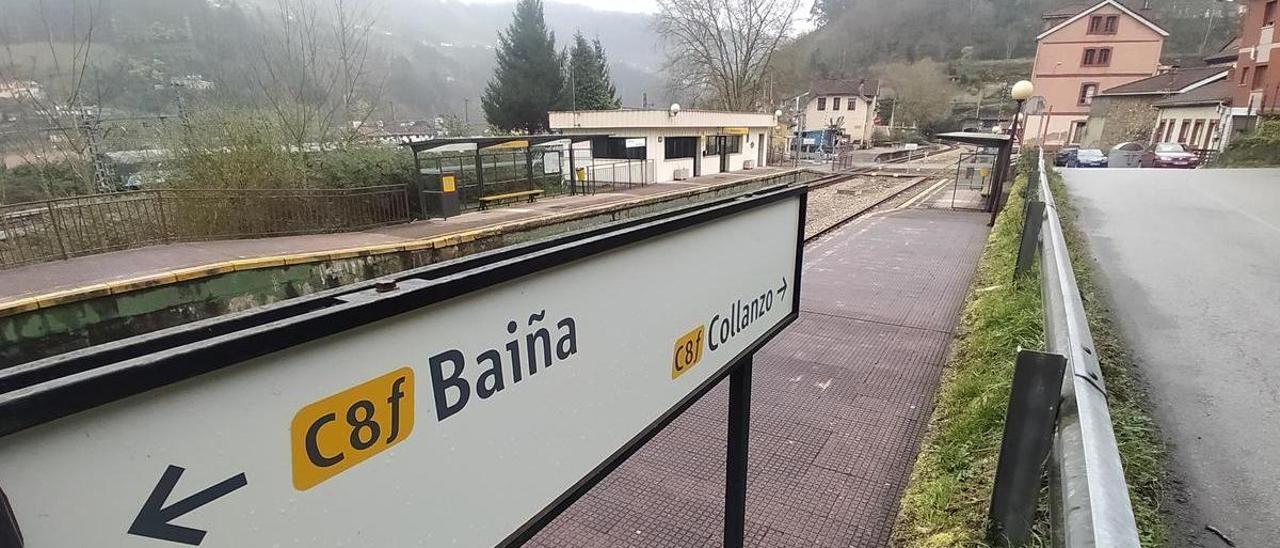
[(1088, 157), (1126, 155), (1064, 155), (1168, 155)]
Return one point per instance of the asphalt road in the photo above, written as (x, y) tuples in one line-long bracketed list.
[(1190, 261)]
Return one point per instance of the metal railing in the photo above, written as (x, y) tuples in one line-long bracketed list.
[(84, 225), (605, 175), (1089, 498)]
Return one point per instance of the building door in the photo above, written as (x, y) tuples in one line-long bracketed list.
[(760, 152), (722, 145), (697, 157)]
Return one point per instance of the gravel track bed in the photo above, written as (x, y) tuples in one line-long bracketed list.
[(829, 206)]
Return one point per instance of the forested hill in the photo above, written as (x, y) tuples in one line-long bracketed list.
[(434, 53)]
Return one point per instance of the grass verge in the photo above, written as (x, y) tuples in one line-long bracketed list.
[(945, 503)]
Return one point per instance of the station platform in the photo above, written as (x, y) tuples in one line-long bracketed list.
[(839, 401), (30, 281)]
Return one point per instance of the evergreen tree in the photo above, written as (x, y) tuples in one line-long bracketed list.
[(528, 80), (589, 86)]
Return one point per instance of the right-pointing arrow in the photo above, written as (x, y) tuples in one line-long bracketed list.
[(153, 520), (782, 291)]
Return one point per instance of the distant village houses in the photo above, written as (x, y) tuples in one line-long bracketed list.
[(847, 106)]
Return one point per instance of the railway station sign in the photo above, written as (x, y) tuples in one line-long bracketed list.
[(466, 406)]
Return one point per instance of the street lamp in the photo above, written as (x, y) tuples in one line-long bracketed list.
[(1021, 92)]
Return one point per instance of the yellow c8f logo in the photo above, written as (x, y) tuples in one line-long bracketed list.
[(340, 431), (688, 352)]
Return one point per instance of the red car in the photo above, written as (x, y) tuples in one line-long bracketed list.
[(1168, 155)]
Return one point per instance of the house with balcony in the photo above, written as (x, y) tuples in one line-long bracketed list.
[(847, 106), (1255, 83), (1084, 49)]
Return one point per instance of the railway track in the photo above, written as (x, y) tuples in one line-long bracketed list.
[(924, 184)]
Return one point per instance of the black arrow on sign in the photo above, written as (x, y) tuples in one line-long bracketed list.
[(782, 291), (153, 520)]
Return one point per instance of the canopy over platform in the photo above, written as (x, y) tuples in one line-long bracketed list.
[(506, 141)]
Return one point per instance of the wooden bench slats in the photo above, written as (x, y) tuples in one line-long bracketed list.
[(531, 194), (510, 195)]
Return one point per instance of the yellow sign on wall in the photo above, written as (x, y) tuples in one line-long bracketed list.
[(448, 183), (334, 434), (736, 131)]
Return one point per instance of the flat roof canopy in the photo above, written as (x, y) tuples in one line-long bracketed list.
[(515, 141), (974, 138)]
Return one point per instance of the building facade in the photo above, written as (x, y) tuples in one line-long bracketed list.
[(1256, 79), (1129, 112), (1084, 49), (849, 106), (678, 143), (1197, 119)]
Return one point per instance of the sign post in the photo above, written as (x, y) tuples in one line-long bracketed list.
[(735, 480), (467, 404)]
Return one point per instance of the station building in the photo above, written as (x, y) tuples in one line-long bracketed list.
[(670, 144)]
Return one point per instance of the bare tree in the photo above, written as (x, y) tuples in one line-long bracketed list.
[(55, 89), (314, 71), (723, 47), (922, 91)]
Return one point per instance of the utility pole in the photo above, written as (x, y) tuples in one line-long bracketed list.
[(103, 175), (466, 113), (182, 108)]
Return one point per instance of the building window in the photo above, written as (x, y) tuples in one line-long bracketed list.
[(835, 103), (1077, 132), (1211, 138), (822, 103), (615, 148), (1259, 76), (1182, 132), (853, 104), (1104, 24), (1269, 13), (1196, 129), (1087, 91), (1168, 132), (1096, 57), (1159, 131), (733, 144), (1244, 76), (681, 147)]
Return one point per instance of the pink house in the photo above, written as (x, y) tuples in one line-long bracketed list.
[(1084, 49)]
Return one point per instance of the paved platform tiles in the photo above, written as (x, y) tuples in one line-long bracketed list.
[(839, 403), (44, 278)]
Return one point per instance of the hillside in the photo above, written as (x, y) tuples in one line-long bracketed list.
[(434, 53)]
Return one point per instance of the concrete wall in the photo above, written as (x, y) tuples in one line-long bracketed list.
[(1118, 119), (1058, 72)]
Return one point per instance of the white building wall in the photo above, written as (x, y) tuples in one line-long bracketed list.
[(858, 123), (589, 123)]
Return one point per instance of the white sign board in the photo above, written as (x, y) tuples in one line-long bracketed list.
[(449, 425), (637, 142)]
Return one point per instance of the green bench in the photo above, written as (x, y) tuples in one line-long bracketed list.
[(532, 195)]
